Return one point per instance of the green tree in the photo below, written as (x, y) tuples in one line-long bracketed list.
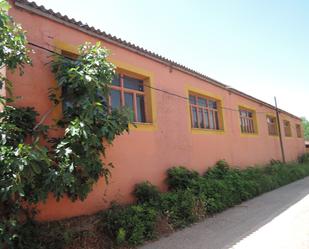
[(20, 163), (32, 164), (13, 50), (306, 128), (88, 120)]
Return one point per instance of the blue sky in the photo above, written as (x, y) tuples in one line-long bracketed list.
[(260, 47)]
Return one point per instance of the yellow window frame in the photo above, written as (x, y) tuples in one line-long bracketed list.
[(254, 118), (299, 132), (287, 133), (270, 115), (129, 70), (210, 96)]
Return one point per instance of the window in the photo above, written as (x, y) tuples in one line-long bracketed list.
[(298, 130), (287, 128), (129, 91), (69, 55), (67, 94), (247, 121), (126, 90), (204, 113), (272, 125)]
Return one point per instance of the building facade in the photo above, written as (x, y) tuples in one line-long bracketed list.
[(181, 116)]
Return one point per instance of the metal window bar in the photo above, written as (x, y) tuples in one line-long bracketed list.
[(246, 121)]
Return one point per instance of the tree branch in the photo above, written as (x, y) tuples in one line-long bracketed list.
[(44, 117)]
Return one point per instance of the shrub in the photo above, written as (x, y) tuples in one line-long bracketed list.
[(274, 162), (216, 195), (180, 178), (218, 171), (130, 224), (304, 158), (147, 193), (121, 236), (259, 181), (180, 207), (34, 235), (193, 196)]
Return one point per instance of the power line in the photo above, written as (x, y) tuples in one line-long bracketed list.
[(151, 87), (186, 98), (48, 50)]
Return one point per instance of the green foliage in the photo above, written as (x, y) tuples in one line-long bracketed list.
[(16, 124), (236, 186), (121, 236), (274, 162), (33, 164), (218, 171), (222, 187), (13, 50), (130, 224), (22, 170), (146, 193), (34, 235), (306, 127), (88, 120), (304, 158), (72, 164), (180, 177), (180, 207)]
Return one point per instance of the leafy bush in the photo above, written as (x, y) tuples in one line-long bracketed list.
[(220, 169), (304, 158), (180, 178), (145, 192), (34, 235), (223, 187), (130, 224), (274, 162), (180, 207)]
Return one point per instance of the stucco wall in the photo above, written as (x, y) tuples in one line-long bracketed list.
[(146, 153)]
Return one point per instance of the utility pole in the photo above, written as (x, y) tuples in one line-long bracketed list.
[(279, 129)]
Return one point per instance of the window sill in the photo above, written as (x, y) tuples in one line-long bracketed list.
[(288, 137), (242, 134), (206, 131), (142, 126), (274, 136)]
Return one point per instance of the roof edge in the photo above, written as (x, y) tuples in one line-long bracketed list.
[(71, 22)]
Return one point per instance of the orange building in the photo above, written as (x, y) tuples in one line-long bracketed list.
[(182, 117)]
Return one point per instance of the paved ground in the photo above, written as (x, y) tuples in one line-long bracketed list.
[(278, 219)]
